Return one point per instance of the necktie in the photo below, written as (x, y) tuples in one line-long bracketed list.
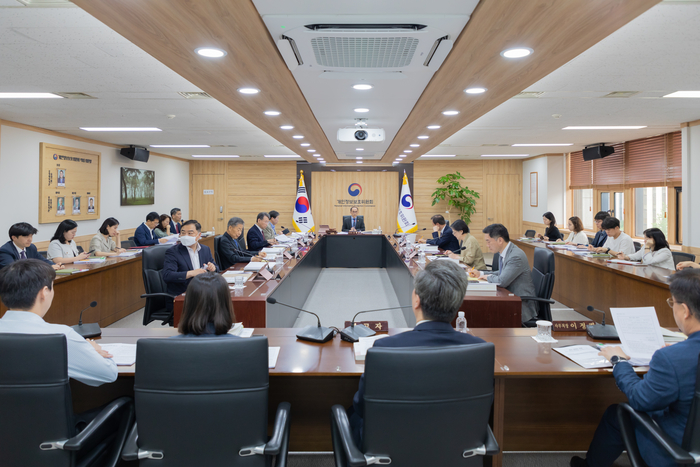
[(353, 222), (22, 255), (237, 245), (177, 228)]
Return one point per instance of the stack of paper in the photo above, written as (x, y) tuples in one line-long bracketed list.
[(584, 355), (172, 239), (630, 263), (284, 239), (231, 276), (481, 286), (273, 353), (129, 253), (365, 343), (254, 266), (94, 259), (429, 248), (670, 336), (122, 354), (273, 251), (639, 332)]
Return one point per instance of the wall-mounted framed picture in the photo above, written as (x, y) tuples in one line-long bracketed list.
[(533, 189), (138, 187)]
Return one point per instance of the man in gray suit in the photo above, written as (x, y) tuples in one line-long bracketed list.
[(513, 270)]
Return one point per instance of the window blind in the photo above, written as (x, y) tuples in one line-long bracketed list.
[(610, 170), (580, 171), (674, 162)]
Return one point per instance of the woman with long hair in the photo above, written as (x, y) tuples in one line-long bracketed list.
[(62, 249), (207, 311)]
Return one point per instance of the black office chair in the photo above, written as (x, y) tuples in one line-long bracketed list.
[(44, 254), (131, 239), (217, 242), (679, 257), (425, 406), (447, 222), (203, 401), (590, 240), (495, 262), (80, 249), (637, 246), (158, 300), (530, 233), (128, 244), (37, 424), (686, 453), (543, 280), (241, 239)]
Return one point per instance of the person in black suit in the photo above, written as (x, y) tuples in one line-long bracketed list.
[(231, 251), (256, 235), (20, 246), (442, 235), (144, 236), (187, 259), (437, 295), (353, 222), (175, 220)]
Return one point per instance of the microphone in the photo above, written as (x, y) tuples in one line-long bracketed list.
[(353, 332), (401, 234), (601, 331), (285, 231), (459, 249), (318, 334), (87, 330)]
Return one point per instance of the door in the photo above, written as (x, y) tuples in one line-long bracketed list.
[(502, 202), (209, 202)]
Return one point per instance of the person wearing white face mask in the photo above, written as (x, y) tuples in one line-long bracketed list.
[(186, 260)]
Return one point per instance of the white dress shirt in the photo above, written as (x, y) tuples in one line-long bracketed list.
[(84, 363), (194, 257), (622, 244), (579, 238), (20, 250)]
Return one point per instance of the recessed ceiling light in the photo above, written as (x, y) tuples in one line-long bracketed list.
[(402, 155), (210, 52), (359, 149), (542, 144), (450, 112), (305, 144), (287, 127), (359, 162), (180, 146), (212, 155), (517, 52), (362, 87), (414, 145), (358, 158), (272, 113), (433, 127), (119, 129), (285, 156), (408, 151), (248, 90), (298, 137), (505, 155), (604, 127), (437, 155), (684, 94), (29, 95), (422, 137), (316, 155), (311, 150), (361, 110), (475, 90)]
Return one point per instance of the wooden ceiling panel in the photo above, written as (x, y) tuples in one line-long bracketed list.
[(170, 31)]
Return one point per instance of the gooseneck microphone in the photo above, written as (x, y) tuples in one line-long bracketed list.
[(317, 333), (459, 249), (601, 331), (87, 330), (353, 332)]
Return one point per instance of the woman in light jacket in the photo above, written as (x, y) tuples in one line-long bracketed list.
[(656, 251)]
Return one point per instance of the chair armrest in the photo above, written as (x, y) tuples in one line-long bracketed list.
[(491, 443), (537, 299), (131, 449), (643, 421), (343, 435), (153, 295), (280, 429), (96, 426)]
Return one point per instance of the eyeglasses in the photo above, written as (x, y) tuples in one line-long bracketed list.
[(671, 302)]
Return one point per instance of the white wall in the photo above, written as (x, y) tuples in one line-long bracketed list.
[(690, 137), (19, 183), (551, 181)]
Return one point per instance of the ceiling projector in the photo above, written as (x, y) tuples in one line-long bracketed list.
[(368, 135)]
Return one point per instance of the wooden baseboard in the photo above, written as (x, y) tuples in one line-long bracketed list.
[(84, 240)]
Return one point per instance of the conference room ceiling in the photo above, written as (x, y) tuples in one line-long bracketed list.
[(67, 50)]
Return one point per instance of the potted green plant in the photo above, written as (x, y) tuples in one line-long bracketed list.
[(458, 196)]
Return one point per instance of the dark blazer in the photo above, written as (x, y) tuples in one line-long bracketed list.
[(430, 334), (666, 393), (553, 233), (446, 241), (359, 223), (600, 238), (143, 236), (256, 240), (173, 229), (177, 263), (231, 252), (8, 254)]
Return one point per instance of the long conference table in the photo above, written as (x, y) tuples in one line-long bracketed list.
[(581, 281), (296, 278)]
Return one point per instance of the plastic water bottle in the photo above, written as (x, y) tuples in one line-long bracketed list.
[(213, 232), (461, 323), (379, 229)]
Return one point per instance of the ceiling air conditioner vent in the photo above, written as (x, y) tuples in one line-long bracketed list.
[(365, 27), (75, 95), (622, 94), (364, 52), (528, 95), (195, 95)]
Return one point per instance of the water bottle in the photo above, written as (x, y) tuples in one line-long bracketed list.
[(461, 323), (213, 232), (379, 229)]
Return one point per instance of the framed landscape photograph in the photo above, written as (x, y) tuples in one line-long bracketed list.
[(138, 187)]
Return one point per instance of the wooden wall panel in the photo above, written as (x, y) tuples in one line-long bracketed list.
[(210, 208), (379, 187)]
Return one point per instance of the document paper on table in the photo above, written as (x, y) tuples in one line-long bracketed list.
[(122, 354), (639, 332), (584, 355), (272, 354)]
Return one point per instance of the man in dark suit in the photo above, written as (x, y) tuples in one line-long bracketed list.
[(187, 259), (144, 235), (353, 222), (230, 249), (442, 235), (175, 221), (667, 390), (437, 295), (20, 246), (256, 235)]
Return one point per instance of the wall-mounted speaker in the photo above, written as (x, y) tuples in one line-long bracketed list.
[(135, 154), (597, 152)]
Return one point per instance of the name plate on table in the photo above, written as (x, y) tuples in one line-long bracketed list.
[(571, 326), (378, 326), (287, 255), (412, 254)]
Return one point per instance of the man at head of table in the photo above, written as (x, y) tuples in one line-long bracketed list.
[(438, 294), (667, 390)]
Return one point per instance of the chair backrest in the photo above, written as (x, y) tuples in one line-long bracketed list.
[(128, 244), (679, 257), (44, 254), (637, 246), (691, 437), (217, 242), (35, 399), (428, 405), (131, 239), (80, 249), (543, 280), (153, 259), (241, 239), (200, 400), (590, 240), (495, 261), (530, 233)]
